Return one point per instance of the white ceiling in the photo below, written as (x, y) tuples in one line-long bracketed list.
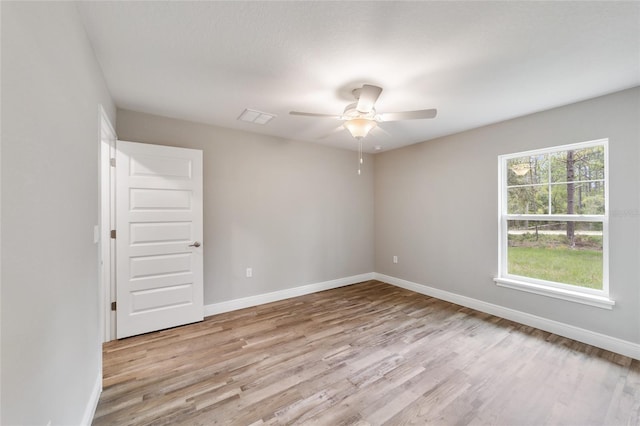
[(476, 62)]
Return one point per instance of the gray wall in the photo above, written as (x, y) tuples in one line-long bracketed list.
[(297, 213), (51, 335), (436, 209)]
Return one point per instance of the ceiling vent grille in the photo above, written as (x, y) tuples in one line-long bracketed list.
[(255, 117)]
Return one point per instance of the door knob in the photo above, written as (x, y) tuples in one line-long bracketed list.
[(196, 244)]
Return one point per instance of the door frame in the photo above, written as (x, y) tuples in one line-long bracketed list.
[(107, 147)]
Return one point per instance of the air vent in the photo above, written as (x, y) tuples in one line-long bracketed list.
[(256, 117)]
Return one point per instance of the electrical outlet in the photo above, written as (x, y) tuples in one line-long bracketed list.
[(249, 272), (395, 259)]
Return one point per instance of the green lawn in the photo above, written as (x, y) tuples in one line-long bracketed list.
[(563, 265)]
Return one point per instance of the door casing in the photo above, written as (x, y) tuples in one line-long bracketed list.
[(108, 139)]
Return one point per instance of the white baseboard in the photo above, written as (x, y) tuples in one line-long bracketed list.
[(246, 302), (94, 398), (599, 340)]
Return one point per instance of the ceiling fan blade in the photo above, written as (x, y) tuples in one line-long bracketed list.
[(332, 132), (313, 114), (380, 129), (409, 115), (367, 98)]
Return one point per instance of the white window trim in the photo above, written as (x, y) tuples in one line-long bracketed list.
[(587, 296), (557, 293)]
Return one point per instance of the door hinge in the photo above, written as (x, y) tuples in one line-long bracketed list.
[(113, 233), (112, 161), (113, 306)]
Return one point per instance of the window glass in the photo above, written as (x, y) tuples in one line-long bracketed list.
[(553, 216), (528, 170), (528, 199), (552, 251)]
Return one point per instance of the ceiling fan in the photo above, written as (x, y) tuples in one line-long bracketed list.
[(361, 116)]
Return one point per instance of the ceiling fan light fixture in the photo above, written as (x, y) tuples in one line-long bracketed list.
[(359, 127)]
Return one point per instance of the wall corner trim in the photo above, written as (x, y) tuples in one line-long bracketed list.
[(599, 340), (259, 299), (94, 398)]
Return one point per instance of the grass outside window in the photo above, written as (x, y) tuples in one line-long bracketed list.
[(578, 267), (547, 254)]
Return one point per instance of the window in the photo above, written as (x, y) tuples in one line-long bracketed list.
[(553, 227)]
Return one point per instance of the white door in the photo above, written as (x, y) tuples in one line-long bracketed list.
[(158, 237)]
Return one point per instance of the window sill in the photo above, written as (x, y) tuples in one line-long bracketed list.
[(557, 293)]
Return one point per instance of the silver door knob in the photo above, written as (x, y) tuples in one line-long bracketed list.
[(196, 244)]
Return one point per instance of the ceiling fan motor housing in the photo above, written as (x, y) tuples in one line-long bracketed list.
[(351, 112)]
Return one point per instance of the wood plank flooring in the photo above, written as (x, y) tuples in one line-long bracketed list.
[(367, 354)]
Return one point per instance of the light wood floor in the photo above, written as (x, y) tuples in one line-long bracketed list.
[(365, 354)]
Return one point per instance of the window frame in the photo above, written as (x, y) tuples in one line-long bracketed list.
[(570, 292)]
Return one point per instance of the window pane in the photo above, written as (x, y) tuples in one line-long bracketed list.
[(558, 164), (589, 163), (577, 165), (528, 200), (527, 170), (577, 198), (590, 198), (562, 252)]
